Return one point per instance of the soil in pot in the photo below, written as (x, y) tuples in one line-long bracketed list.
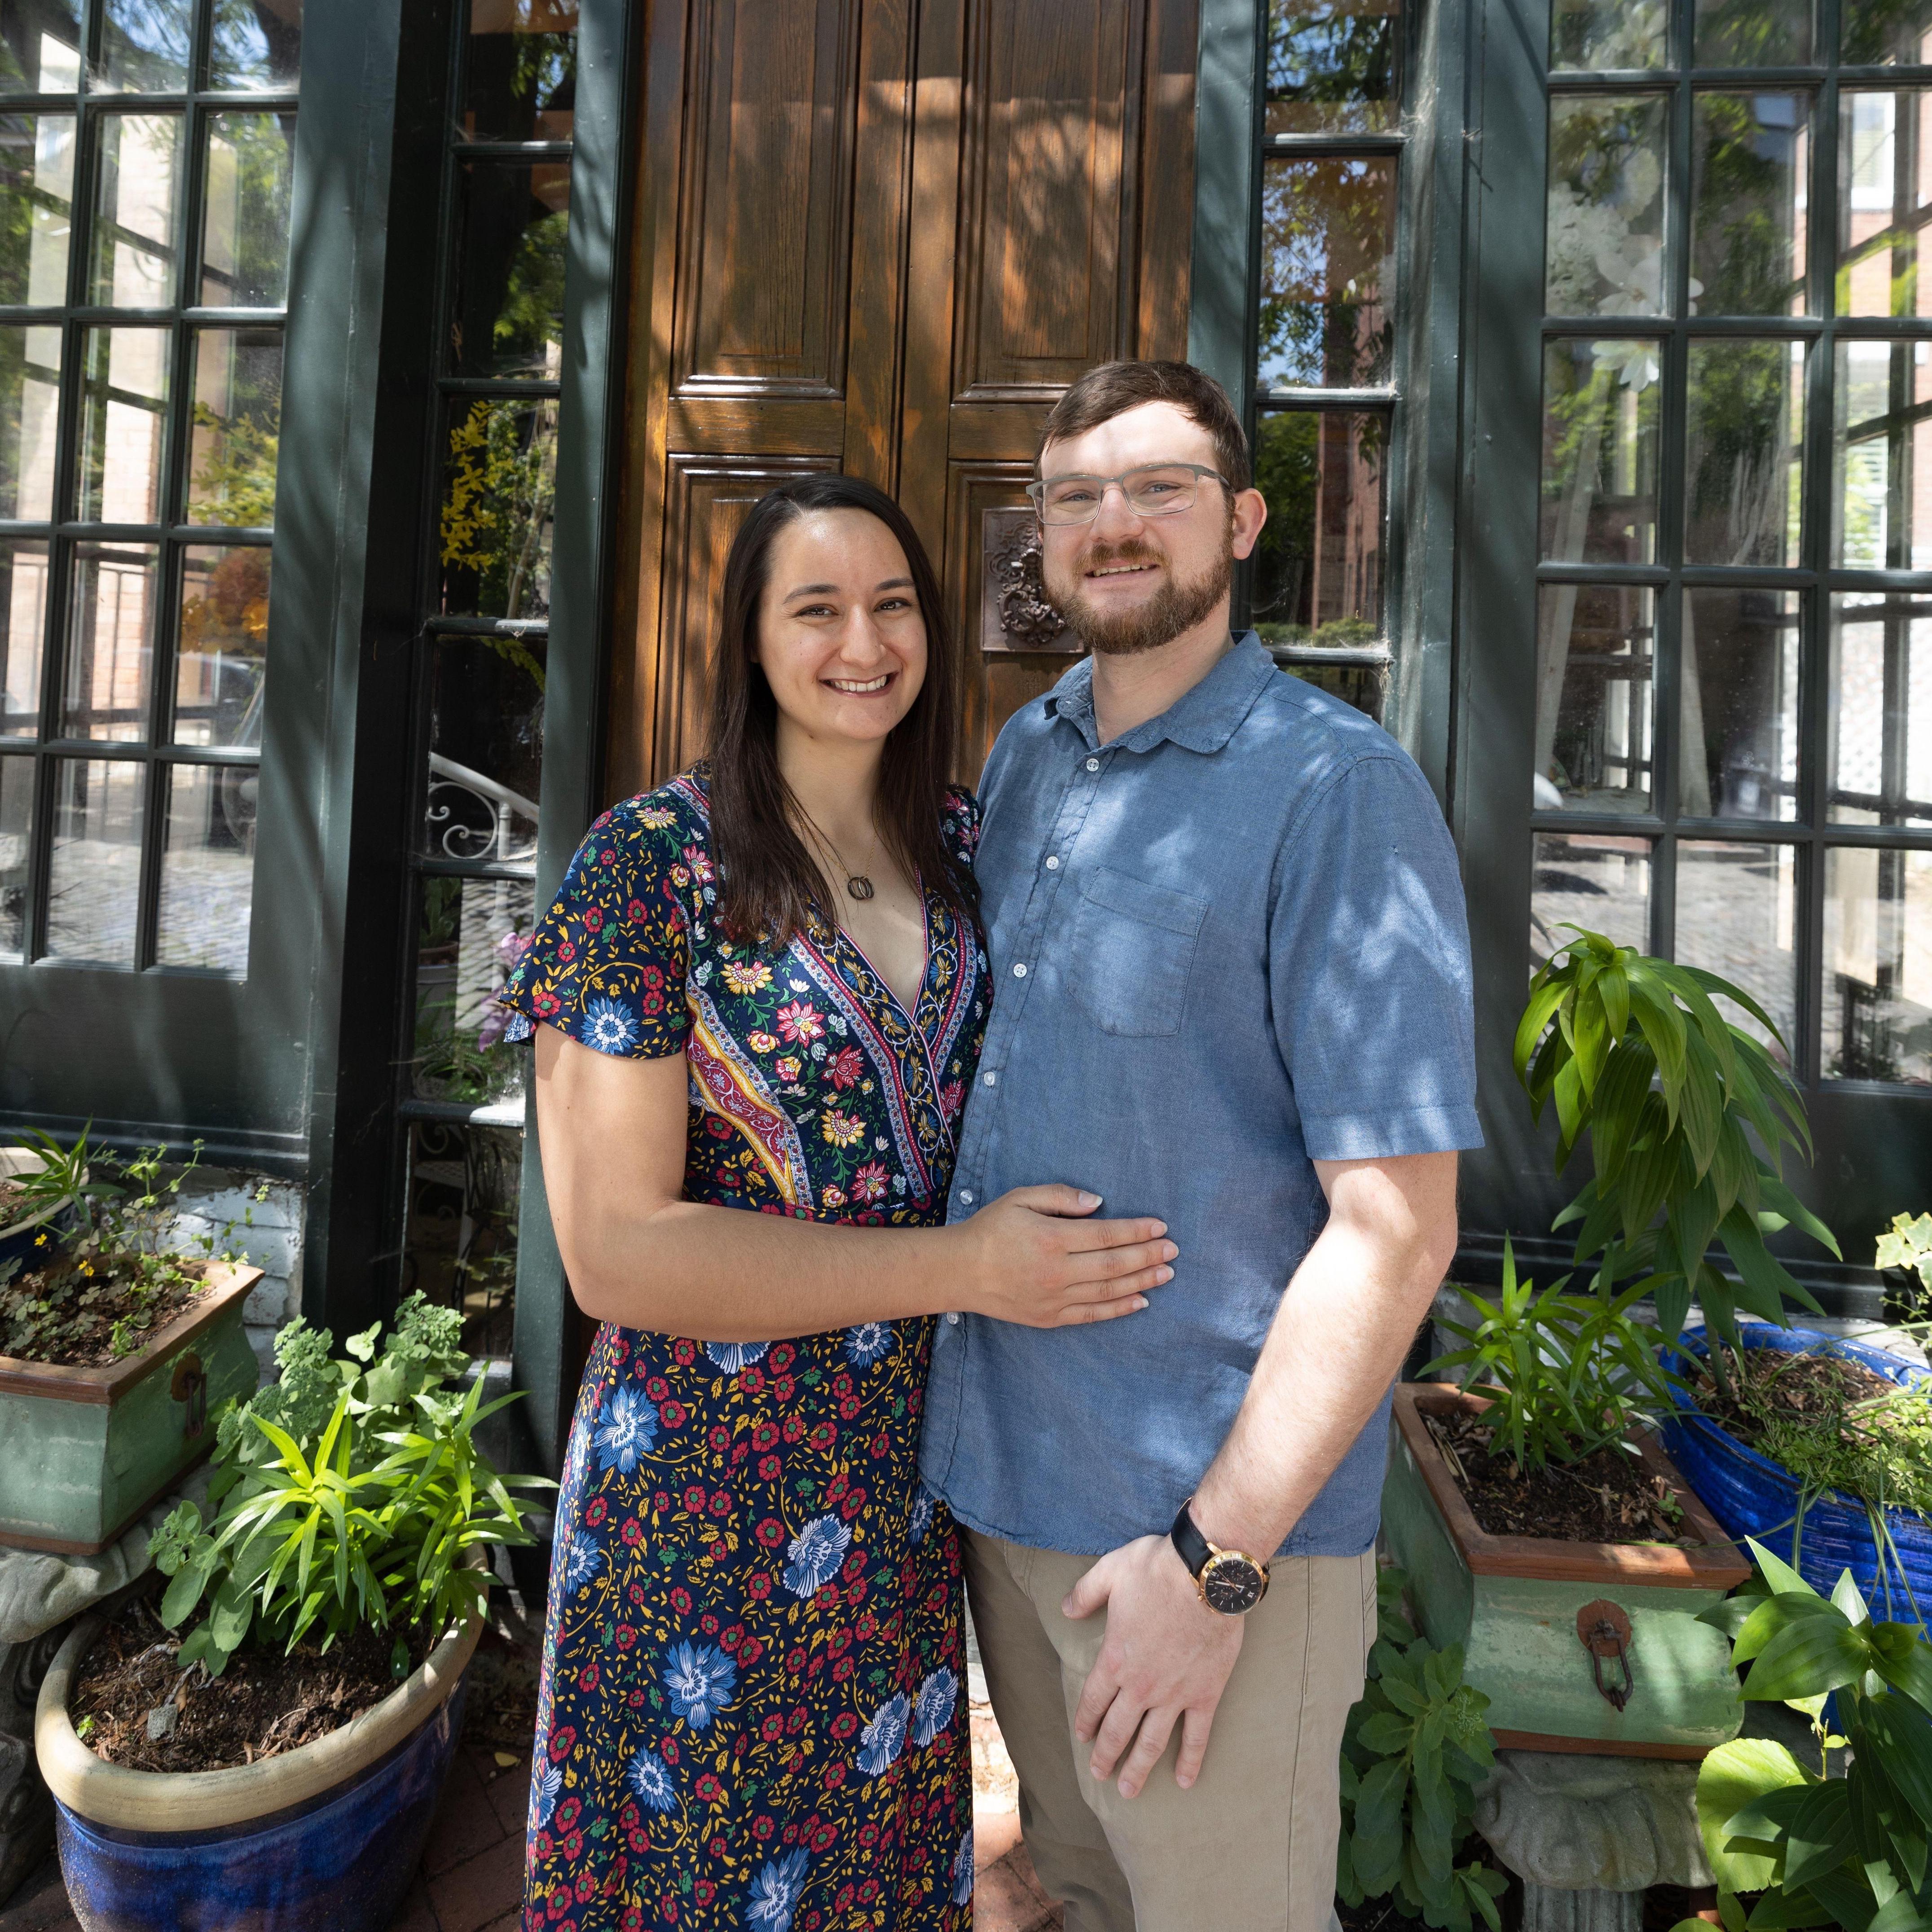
[(263, 1704), (86, 1310), (1771, 1385)]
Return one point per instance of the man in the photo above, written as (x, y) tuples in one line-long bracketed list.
[(1233, 991)]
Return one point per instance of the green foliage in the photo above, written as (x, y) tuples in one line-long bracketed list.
[(350, 1493), (1907, 1244), (235, 484), (500, 492), (1413, 1752), (1565, 1373), (63, 1175), (1634, 1050)]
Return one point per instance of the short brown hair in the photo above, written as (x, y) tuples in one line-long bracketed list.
[(1110, 389)]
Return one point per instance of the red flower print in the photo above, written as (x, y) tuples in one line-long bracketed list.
[(771, 1532), (593, 920), (587, 1679), (562, 1740), (751, 1379), (657, 1388), (765, 1435), (721, 1503), (709, 1789), (824, 1436), (795, 1428), (834, 1777), (720, 1438), (686, 1351), (849, 1408), (798, 1021), (952, 1096), (669, 1749), (844, 1069), (702, 1891), (566, 952), (843, 1669), (869, 1183), (637, 912), (708, 1624), (607, 858), (680, 1600), (694, 1497), (594, 1512), (782, 1356), (673, 1415), (774, 1726), (633, 1532), (855, 1566), (769, 1468), (546, 1002), (782, 1387), (627, 1636)]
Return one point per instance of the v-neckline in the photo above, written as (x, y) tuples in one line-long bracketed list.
[(910, 1015)]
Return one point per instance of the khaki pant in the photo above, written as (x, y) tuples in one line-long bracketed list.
[(1252, 1845)]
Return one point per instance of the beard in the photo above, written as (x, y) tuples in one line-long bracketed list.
[(1174, 607)]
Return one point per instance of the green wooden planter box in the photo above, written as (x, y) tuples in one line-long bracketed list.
[(1554, 1631), (84, 1451)]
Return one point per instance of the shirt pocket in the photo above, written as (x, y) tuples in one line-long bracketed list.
[(1133, 949)]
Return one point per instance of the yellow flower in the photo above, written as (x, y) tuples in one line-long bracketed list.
[(750, 976), (841, 1129), (656, 818)]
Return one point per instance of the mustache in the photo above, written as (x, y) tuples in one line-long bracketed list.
[(1100, 553)]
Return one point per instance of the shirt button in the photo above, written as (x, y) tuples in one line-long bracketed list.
[(991, 1079), (1053, 861), (953, 1319), (966, 1195), (1093, 764), (1019, 970)]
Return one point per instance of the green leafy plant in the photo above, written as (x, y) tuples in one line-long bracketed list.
[(1816, 1849), (1634, 1050), (1907, 1244), (64, 1174), (1413, 1750), (351, 1493)]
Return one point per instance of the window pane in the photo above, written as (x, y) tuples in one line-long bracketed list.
[(110, 640), (473, 934), (1363, 686), (134, 211), (256, 46), (1883, 447), (1604, 242), (1752, 33), (245, 227), (1333, 65), (460, 1243), (40, 46), (1877, 992), (36, 207), (124, 406), (499, 491), (16, 812), (1599, 405), (224, 635), (1751, 161), (208, 867), (522, 74), (23, 611), (235, 434), (509, 280), (1736, 916), (1745, 432), (94, 874), (1596, 647), (145, 46), (1738, 694), (1585, 879), (1599, 34), (1879, 747), (1885, 200), (485, 750), (1886, 30), (1318, 566), (30, 360), (1328, 228)]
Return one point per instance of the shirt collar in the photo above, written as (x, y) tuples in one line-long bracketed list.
[(1202, 718)]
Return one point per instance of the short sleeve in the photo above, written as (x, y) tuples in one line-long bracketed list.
[(607, 965), (959, 824), (1369, 971)]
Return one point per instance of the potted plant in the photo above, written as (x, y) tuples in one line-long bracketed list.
[(266, 1746), (41, 1184), (116, 1344)]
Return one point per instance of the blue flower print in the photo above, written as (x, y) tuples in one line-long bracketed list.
[(608, 1027), (815, 1553), (699, 1677), (544, 1786), (962, 1868), (776, 1892), (652, 1782), (626, 1427), (884, 1738), (932, 1709), (582, 1560), (733, 1356), (866, 1343), (920, 1524)]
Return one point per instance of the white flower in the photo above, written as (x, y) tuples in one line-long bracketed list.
[(776, 1892), (920, 1525), (932, 1709), (544, 1784), (652, 1782), (962, 1868), (815, 1553), (733, 1356), (581, 1562), (884, 1738), (626, 1427), (1635, 363), (867, 1342), (610, 1028)]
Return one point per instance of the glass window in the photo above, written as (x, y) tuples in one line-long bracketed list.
[(461, 1233), (23, 618), (1613, 35), (1596, 673), (1737, 687), (521, 70), (1599, 453), (1318, 567), (1886, 31), (17, 812), (485, 749), (145, 46), (1876, 993), (135, 165), (1601, 882), (1736, 916), (1744, 440), (95, 890), (1884, 201), (30, 367), (235, 436), (111, 645), (513, 217), (1752, 33), (1603, 244), (1750, 167), (208, 867), (36, 208), (223, 654), (1883, 449), (499, 491), (1333, 68), (1879, 747), (123, 417), (244, 232), (1328, 227), (40, 46), (256, 46)]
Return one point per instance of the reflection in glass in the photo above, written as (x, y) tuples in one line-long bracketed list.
[(110, 641), (1606, 35), (145, 46), (23, 614), (485, 749), (256, 46), (1887, 32), (1599, 489), (134, 211), (1884, 202), (1750, 164), (1744, 436), (1881, 449), (1738, 704), (1603, 244), (235, 433), (123, 407), (224, 638), (521, 78), (1752, 33), (1589, 880), (30, 359), (95, 860), (244, 225), (499, 494), (509, 276), (1595, 651), (1365, 686), (1328, 229), (40, 46), (36, 207), (1334, 66), (459, 1243), (1318, 566), (1878, 734), (208, 867), (1877, 992), (17, 813), (473, 932), (1737, 911)]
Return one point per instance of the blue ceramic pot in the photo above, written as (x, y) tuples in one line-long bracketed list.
[(1751, 1495)]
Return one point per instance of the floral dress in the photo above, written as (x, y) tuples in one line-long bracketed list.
[(750, 1714)]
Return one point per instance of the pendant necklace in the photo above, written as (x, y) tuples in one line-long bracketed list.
[(858, 884)]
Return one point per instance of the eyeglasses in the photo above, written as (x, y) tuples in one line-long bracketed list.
[(1153, 489)]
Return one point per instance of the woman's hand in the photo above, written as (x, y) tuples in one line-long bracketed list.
[(1034, 1259)]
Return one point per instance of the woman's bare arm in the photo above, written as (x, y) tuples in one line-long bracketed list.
[(612, 1133)]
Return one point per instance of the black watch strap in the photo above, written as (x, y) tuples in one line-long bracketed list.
[(1186, 1537)]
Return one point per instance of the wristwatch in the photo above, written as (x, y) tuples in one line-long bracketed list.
[(1229, 1582)]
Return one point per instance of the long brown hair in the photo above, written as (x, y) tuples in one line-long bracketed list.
[(768, 884)]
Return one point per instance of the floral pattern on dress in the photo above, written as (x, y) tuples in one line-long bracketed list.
[(750, 1712)]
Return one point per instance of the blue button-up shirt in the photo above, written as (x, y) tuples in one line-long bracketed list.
[(1225, 946)]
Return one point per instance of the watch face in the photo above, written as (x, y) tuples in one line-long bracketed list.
[(1232, 1584)]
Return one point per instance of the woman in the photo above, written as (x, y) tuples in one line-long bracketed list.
[(762, 987)]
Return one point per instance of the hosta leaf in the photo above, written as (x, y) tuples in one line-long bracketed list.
[(1819, 1833), (1733, 1776), (1818, 1652)]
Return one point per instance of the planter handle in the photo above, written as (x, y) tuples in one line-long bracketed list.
[(1603, 1629), (189, 1384)]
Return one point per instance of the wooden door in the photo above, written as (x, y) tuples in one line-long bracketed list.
[(881, 236)]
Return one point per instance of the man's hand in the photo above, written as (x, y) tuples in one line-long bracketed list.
[(1166, 1659)]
